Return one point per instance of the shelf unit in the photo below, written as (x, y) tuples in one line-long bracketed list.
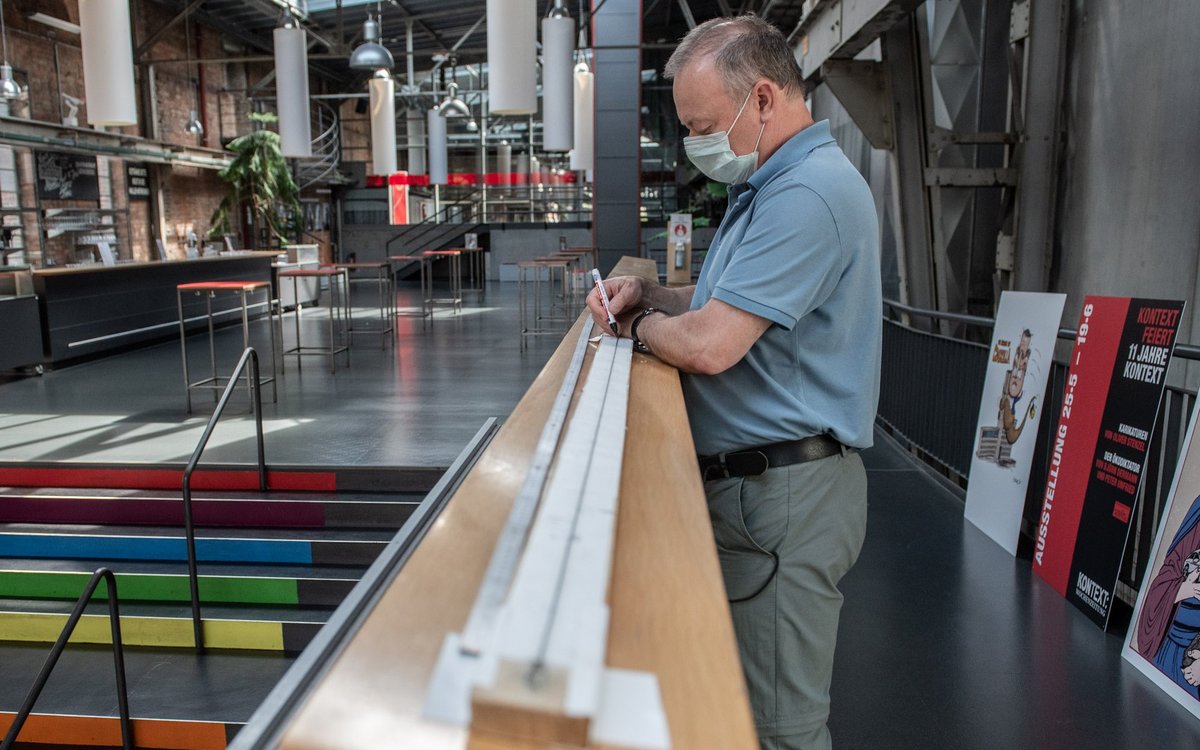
[(88, 223)]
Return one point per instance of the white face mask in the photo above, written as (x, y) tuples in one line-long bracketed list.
[(713, 156)]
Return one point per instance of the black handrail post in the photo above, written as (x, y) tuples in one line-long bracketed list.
[(248, 356), (114, 616), (256, 390), (189, 530), (119, 660)]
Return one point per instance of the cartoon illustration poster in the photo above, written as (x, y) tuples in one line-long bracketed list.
[(1110, 403), (1164, 637), (1013, 391)]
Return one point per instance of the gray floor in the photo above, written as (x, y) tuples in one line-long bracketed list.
[(946, 641), (416, 402)]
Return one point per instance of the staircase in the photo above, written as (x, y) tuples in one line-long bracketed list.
[(326, 151), (428, 235), (272, 567)]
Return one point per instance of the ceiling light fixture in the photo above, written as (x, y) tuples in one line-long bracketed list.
[(371, 55), (512, 57), (453, 106), (194, 126), (107, 49), (9, 88), (291, 89), (383, 122), (558, 52)]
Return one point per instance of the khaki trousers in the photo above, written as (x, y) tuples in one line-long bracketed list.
[(785, 538)]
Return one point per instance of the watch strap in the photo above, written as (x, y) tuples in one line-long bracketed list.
[(633, 329)]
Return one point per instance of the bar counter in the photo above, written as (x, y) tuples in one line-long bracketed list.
[(90, 310)]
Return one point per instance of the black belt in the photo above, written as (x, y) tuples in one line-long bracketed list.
[(754, 461)]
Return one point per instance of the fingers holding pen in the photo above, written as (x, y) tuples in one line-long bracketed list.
[(624, 293)]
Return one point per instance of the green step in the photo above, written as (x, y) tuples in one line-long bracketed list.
[(151, 587)]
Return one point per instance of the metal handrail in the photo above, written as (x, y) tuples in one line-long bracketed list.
[(427, 223), (250, 356), (1183, 351), (325, 148), (114, 617)]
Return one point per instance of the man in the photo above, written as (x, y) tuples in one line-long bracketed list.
[(1014, 389), (779, 343)]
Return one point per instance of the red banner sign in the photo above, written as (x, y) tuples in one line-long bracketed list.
[(1115, 382)]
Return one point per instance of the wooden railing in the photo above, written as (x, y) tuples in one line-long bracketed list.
[(669, 614)]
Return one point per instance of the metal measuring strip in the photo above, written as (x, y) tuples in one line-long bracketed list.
[(507, 554)]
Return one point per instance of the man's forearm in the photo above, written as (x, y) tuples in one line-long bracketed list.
[(671, 300)]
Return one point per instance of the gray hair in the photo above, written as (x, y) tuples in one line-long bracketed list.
[(744, 49)]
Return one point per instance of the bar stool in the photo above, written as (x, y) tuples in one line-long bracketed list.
[(534, 326), (455, 298), (209, 289), (387, 298), (339, 313), (589, 250), (578, 281), (475, 269), (424, 263)]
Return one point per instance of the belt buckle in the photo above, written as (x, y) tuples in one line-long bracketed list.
[(766, 463), (749, 463), (708, 473)]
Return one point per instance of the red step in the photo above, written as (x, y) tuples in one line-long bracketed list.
[(165, 479)]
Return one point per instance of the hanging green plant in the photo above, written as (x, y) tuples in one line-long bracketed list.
[(258, 176)]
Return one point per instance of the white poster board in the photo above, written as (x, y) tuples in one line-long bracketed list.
[(1014, 390), (1162, 642)]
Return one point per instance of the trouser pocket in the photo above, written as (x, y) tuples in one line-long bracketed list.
[(748, 520)]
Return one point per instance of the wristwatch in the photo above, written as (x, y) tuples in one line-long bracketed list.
[(637, 343)]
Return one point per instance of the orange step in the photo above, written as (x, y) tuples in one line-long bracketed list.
[(105, 731)]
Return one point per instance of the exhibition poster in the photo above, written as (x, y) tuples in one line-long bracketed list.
[(1014, 389), (1163, 642), (1110, 402)]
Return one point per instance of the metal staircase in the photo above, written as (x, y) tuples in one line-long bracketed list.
[(326, 149)]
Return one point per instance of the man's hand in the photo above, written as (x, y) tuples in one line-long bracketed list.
[(1190, 588), (624, 299), (1191, 672)]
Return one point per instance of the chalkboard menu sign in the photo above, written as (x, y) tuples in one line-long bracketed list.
[(66, 176), (137, 181)]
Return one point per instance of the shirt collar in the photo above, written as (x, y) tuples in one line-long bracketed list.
[(792, 151)]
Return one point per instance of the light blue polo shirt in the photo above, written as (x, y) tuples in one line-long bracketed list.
[(799, 246)]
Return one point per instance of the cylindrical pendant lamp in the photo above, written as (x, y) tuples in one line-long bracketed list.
[(107, 62), (291, 90), (383, 125), (414, 120), (512, 56), (438, 155), (522, 165), (535, 170), (583, 153), (558, 108), (504, 162)]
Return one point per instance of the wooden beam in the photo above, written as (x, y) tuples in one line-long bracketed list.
[(669, 612)]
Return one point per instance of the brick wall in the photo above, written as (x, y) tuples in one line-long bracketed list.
[(50, 62), (356, 132)]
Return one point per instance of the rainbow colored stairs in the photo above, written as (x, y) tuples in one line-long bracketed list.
[(272, 568)]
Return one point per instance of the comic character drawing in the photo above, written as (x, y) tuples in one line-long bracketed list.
[(1168, 630), (995, 443)]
